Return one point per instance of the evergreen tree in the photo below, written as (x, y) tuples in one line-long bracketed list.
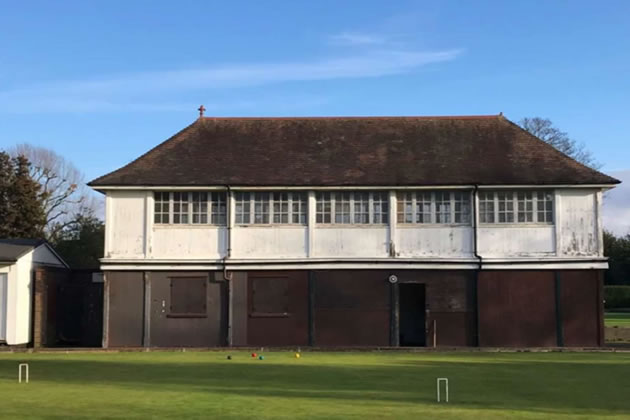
[(21, 202)]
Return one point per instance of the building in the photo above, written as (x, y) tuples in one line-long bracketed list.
[(410, 231), (23, 263)]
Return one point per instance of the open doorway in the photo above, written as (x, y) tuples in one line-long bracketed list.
[(412, 314)]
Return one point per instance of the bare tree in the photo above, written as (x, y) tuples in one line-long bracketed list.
[(543, 129), (64, 192)]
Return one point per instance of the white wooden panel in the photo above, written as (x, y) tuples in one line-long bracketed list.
[(269, 242), (350, 242), (20, 299), (435, 241), (578, 223), (4, 278), (188, 242), (126, 220), (513, 240)]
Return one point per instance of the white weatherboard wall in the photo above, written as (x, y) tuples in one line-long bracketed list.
[(18, 300), (131, 235), (359, 242), (580, 223), (434, 241), (124, 231), (269, 242)]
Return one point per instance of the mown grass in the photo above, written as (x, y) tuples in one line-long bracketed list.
[(318, 385), (617, 319)]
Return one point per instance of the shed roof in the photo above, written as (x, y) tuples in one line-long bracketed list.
[(353, 151), (12, 250)]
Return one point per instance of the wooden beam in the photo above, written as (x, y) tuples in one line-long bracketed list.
[(146, 330), (394, 319), (311, 308), (559, 320)]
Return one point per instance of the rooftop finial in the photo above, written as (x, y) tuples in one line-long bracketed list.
[(201, 110)]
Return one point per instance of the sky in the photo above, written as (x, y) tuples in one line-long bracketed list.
[(103, 82)]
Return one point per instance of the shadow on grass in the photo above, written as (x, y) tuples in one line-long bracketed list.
[(568, 387)]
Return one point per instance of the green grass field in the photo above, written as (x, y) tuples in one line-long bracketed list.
[(617, 319), (318, 385)]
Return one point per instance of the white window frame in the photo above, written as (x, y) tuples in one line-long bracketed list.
[(515, 208), (421, 196), (293, 197), (382, 197), (213, 219)]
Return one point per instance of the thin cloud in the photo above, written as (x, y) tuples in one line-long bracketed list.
[(123, 91), (357, 38)]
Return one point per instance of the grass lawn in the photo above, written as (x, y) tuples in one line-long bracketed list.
[(617, 319), (318, 385)]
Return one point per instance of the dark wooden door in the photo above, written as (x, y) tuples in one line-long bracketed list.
[(412, 327)]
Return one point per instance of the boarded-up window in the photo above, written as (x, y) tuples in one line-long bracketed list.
[(188, 296), (270, 296)]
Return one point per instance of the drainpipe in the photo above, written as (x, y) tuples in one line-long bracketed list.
[(475, 297), (228, 253)]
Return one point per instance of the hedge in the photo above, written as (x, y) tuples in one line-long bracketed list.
[(617, 297)]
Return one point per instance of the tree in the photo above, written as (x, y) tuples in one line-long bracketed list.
[(81, 244), (64, 192), (617, 249), (544, 129), (21, 201)]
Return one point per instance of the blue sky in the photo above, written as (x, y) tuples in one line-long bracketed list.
[(102, 82)]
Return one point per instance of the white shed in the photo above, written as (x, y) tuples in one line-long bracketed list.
[(18, 260)]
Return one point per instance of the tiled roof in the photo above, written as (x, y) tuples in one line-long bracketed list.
[(353, 151)]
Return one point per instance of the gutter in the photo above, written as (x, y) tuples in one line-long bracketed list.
[(227, 277)]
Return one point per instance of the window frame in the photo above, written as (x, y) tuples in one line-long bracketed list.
[(548, 208), (214, 200), (249, 199), (326, 209), (416, 200)]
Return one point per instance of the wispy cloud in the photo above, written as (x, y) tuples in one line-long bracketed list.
[(358, 38), (122, 92)]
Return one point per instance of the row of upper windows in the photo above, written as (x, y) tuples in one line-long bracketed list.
[(354, 207)]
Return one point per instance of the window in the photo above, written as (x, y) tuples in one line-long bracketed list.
[(437, 207), (521, 206), (348, 207), (270, 207), (506, 207), (486, 207), (269, 296), (525, 203), (161, 209), (199, 207), (188, 297)]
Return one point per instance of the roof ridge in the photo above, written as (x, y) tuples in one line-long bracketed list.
[(355, 117)]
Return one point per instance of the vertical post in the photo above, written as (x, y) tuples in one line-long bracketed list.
[(394, 325), (105, 310), (310, 222), (559, 321), (109, 223), (557, 215), (230, 311), (146, 331), (600, 230), (434, 333), (311, 308), (475, 303), (600, 307), (392, 223), (148, 224)]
